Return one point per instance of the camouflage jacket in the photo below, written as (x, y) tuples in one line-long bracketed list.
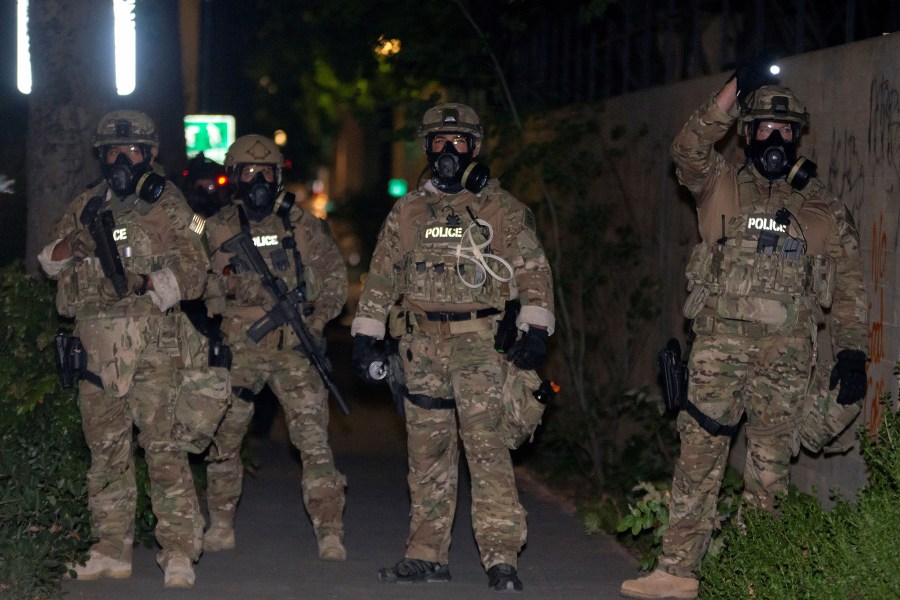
[(242, 298), (417, 259), (162, 240), (728, 194)]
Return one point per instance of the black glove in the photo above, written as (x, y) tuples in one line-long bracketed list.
[(137, 284), (530, 351), (850, 372), (752, 74), (365, 351)]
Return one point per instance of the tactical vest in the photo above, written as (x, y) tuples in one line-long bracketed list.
[(78, 289), (760, 274), (430, 270), (268, 236)]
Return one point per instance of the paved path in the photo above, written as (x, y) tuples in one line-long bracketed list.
[(276, 555)]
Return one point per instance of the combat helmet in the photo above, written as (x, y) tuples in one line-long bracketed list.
[(253, 150), (126, 127), (773, 103), (451, 117)]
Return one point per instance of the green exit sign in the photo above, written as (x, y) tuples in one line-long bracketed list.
[(397, 187), (209, 134)]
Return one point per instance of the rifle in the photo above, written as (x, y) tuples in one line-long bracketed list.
[(101, 225), (284, 312)]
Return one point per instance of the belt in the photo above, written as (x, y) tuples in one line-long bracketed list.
[(446, 317), (713, 324), (448, 323)]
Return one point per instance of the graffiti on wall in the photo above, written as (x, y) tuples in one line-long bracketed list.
[(872, 411), (861, 174)]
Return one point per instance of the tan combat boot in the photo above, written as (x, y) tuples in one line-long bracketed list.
[(99, 565), (660, 584), (179, 572), (331, 548), (220, 535)]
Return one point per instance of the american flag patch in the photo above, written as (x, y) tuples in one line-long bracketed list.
[(198, 224)]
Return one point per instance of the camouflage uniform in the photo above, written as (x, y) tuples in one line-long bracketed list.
[(241, 300), (415, 264), (756, 314), (147, 355)]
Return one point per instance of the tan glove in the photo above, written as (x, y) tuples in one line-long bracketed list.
[(80, 243)]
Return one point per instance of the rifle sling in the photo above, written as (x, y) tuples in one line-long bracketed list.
[(428, 402)]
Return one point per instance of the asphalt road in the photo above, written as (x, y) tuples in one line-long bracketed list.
[(276, 556)]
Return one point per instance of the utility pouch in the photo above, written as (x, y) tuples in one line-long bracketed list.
[(219, 354), (523, 400), (202, 396), (400, 322), (695, 301), (823, 279)]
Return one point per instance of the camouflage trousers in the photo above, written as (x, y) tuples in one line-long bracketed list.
[(765, 378), (305, 402), (149, 395), (464, 367)]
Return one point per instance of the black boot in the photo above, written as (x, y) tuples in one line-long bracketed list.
[(503, 578), (413, 570)]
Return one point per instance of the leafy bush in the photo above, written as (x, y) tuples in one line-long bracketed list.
[(643, 526), (44, 522), (848, 552), (44, 517)]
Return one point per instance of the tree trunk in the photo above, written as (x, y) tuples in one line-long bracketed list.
[(72, 57), (73, 72)]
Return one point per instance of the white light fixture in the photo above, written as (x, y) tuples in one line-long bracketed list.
[(23, 59), (125, 44)]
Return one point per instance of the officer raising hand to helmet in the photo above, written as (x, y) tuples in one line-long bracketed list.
[(297, 248), (777, 253), (448, 258), (125, 252)]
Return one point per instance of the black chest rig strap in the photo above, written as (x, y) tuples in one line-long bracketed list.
[(279, 257)]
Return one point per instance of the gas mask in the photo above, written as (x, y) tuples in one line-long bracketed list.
[(775, 159), (452, 171), (125, 178), (258, 195)]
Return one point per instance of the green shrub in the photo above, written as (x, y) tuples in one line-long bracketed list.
[(44, 517), (44, 522), (848, 552), (643, 526)]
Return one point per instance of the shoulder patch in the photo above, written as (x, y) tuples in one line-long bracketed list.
[(198, 224), (848, 216), (528, 220)]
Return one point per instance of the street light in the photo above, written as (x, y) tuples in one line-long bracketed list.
[(125, 39)]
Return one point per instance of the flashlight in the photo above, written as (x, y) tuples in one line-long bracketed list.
[(774, 69)]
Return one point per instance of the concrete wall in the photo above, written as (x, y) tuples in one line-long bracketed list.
[(853, 95)]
